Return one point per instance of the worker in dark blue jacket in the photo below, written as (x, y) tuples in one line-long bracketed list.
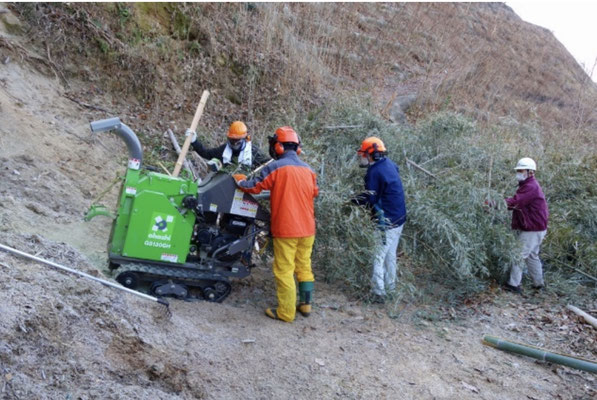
[(385, 195)]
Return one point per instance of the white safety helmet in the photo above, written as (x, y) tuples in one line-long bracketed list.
[(526, 163)]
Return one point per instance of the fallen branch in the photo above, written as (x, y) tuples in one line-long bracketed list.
[(51, 63), (331, 128), (575, 269), (87, 139), (590, 320), (164, 168), (431, 159), (420, 168), (97, 31), (86, 105), (584, 273), (31, 57)]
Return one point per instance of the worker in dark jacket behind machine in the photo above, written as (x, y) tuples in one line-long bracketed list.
[(529, 219), (238, 149), (293, 186), (385, 196)]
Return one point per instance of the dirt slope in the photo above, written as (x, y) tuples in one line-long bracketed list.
[(65, 337)]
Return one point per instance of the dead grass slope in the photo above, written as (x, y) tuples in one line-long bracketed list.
[(267, 58)]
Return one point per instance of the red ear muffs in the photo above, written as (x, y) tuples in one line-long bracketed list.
[(278, 148), (298, 147)]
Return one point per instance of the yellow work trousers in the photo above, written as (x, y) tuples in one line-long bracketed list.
[(292, 256)]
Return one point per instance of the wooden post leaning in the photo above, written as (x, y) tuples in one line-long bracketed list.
[(187, 142)]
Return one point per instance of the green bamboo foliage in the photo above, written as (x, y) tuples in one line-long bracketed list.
[(450, 230)]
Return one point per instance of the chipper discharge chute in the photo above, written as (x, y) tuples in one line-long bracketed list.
[(173, 236)]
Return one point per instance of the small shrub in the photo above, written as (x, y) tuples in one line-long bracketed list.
[(124, 13), (103, 45)]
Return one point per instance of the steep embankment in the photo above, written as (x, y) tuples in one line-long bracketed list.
[(65, 337), (264, 59)]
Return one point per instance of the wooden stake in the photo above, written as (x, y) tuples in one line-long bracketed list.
[(187, 142)]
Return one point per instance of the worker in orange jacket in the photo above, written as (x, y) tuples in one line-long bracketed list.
[(293, 186)]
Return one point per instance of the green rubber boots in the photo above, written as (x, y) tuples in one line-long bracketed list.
[(305, 292)]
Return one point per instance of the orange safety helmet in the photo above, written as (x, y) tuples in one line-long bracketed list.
[(372, 146), (237, 130), (284, 134)]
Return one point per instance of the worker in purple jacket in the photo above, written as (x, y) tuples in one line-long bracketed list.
[(529, 219)]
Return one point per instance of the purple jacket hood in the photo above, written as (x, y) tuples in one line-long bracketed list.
[(529, 207)]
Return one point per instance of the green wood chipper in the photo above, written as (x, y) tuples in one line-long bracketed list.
[(173, 236)]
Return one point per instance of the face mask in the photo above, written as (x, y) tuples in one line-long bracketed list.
[(236, 145), (521, 176), (363, 161)]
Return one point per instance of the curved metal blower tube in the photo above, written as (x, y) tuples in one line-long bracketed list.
[(132, 142)]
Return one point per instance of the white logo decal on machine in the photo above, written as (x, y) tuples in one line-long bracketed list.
[(160, 231)]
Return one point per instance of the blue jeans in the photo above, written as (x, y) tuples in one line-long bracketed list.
[(384, 265)]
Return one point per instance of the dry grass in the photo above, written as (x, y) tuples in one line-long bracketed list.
[(262, 58)]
